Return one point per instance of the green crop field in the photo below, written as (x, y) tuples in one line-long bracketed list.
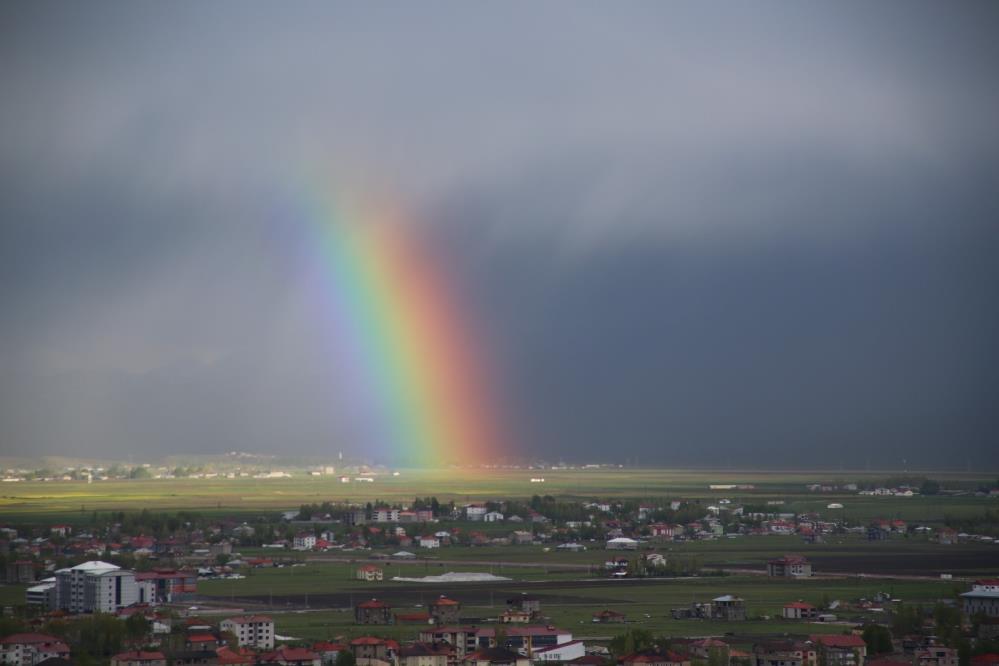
[(75, 501)]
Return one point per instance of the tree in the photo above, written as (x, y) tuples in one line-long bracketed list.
[(878, 639), (631, 641), (137, 626), (345, 658), (929, 487)]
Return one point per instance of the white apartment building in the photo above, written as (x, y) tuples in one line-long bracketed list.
[(95, 587), (255, 631)]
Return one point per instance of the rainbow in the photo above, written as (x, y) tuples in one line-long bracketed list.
[(416, 369)]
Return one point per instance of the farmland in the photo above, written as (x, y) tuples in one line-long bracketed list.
[(73, 501)]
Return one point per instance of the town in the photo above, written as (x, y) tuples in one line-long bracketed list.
[(444, 582)]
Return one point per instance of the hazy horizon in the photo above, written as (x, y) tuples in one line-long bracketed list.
[(681, 234)]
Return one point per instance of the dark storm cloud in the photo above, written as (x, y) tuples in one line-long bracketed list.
[(693, 234)]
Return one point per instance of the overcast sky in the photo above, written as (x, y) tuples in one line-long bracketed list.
[(691, 233)]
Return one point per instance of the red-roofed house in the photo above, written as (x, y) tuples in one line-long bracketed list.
[(370, 573), (291, 656), (840, 649), (424, 654), (139, 658), (444, 610), (28, 649), (654, 658), (790, 566), (799, 610), (238, 657), (373, 612), (371, 650)]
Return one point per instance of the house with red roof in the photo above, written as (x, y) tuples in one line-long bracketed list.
[(372, 650), (291, 656), (654, 657), (373, 611), (369, 572), (799, 610), (840, 649), (784, 653), (238, 657), (607, 616), (444, 610), (789, 566), (424, 654), (495, 656), (27, 649), (139, 658), (328, 652)]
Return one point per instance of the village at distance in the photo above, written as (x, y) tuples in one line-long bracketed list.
[(731, 577)]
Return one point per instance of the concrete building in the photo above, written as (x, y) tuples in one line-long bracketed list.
[(728, 607), (444, 610), (463, 639), (95, 587), (784, 653), (561, 653), (43, 595), (256, 631), (373, 612), (981, 601), (423, 654), (936, 655), (840, 649), (30, 649), (789, 566)]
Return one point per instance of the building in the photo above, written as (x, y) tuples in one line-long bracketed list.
[(370, 573), (622, 543), (463, 640), (784, 653), (43, 595), (525, 602), (20, 571), (529, 639), (373, 612), (164, 586), (981, 601), (561, 653), (475, 511), (256, 631), (654, 657), (372, 651), (608, 617), (423, 654), (444, 610), (728, 607), (291, 656), (31, 649), (799, 610), (95, 587), (840, 649), (936, 655), (515, 616), (495, 656), (429, 541), (139, 658), (789, 566), (304, 541)]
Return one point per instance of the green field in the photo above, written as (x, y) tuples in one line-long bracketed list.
[(572, 607), (75, 501)]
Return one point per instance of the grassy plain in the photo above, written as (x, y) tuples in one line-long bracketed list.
[(74, 502)]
